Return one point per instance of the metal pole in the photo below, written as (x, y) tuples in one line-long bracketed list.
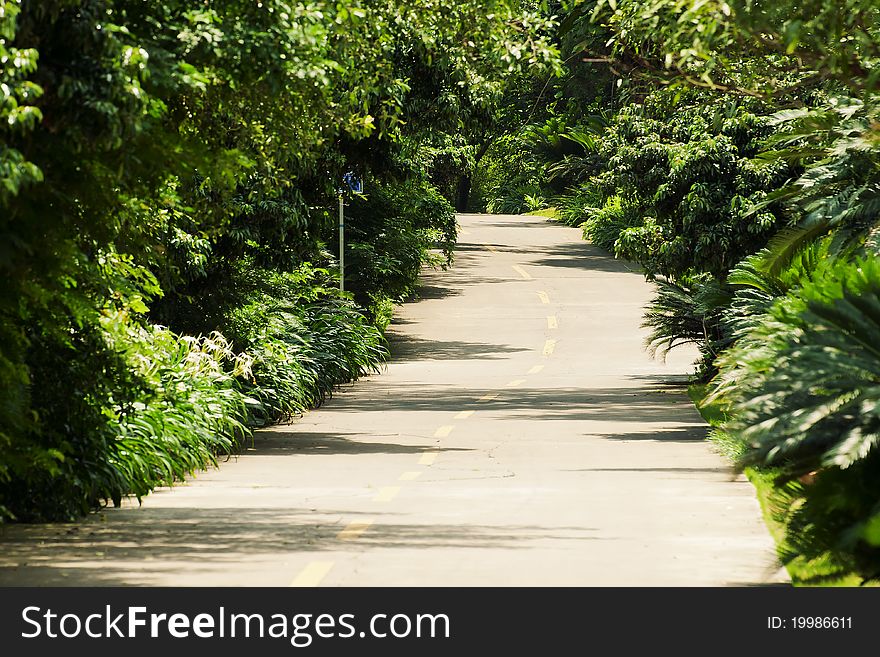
[(341, 245)]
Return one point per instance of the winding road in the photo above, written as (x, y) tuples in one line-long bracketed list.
[(520, 436)]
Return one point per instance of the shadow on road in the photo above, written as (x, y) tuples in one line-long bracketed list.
[(410, 347), (436, 292), (575, 255), (283, 443), (124, 547), (645, 403), (681, 434), (684, 471)]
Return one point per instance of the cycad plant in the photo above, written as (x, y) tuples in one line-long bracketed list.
[(812, 399), (689, 313), (838, 144), (802, 390)]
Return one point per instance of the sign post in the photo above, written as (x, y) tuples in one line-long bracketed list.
[(355, 185), (341, 243)]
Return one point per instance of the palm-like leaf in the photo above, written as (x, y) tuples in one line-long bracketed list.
[(839, 190), (802, 386), (688, 313), (809, 398)]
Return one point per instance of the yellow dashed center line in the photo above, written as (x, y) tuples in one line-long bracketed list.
[(549, 346), (488, 397), (312, 574), (535, 369), (551, 322), (353, 530), (515, 383), (522, 272), (386, 493), (463, 415), (428, 458), (444, 431), (410, 476), (492, 248), (543, 297)]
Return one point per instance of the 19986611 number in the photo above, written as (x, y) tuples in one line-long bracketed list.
[(809, 623)]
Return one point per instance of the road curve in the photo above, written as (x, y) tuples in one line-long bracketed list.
[(520, 436)]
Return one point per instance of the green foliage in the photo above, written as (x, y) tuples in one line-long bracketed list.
[(517, 199), (447, 161), (696, 179), (507, 175), (301, 337), (746, 47), (168, 171), (690, 312), (577, 205), (390, 233), (802, 391), (605, 225), (180, 407), (555, 139), (542, 139), (301, 354), (806, 399), (741, 169), (193, 411), (18, 115)]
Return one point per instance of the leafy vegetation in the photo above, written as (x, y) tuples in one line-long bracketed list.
[(731, 149), (168, 186)]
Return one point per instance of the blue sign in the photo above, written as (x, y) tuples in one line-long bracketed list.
[(353, 183)]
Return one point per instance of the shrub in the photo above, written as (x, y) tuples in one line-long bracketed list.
[(605, 226), (690, 312), (303, 339), (193, 411), (801, 386), (696, 181), (147, 407), (577, 205), (390, 233), (507, 174)]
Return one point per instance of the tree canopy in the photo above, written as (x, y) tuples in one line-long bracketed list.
[(169, 172)]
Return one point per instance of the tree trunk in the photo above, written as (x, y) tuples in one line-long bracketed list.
[(463, 194)]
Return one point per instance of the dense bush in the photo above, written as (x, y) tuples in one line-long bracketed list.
[(393, 231), (605, 224), (690, 311), (508, 177), (577, 205), (735, 158), (302, 338), (181, 407), (687, 185), (168, 180), (800, 389), (793, 329)]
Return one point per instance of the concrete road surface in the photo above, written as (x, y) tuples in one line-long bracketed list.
[(520, 436)]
